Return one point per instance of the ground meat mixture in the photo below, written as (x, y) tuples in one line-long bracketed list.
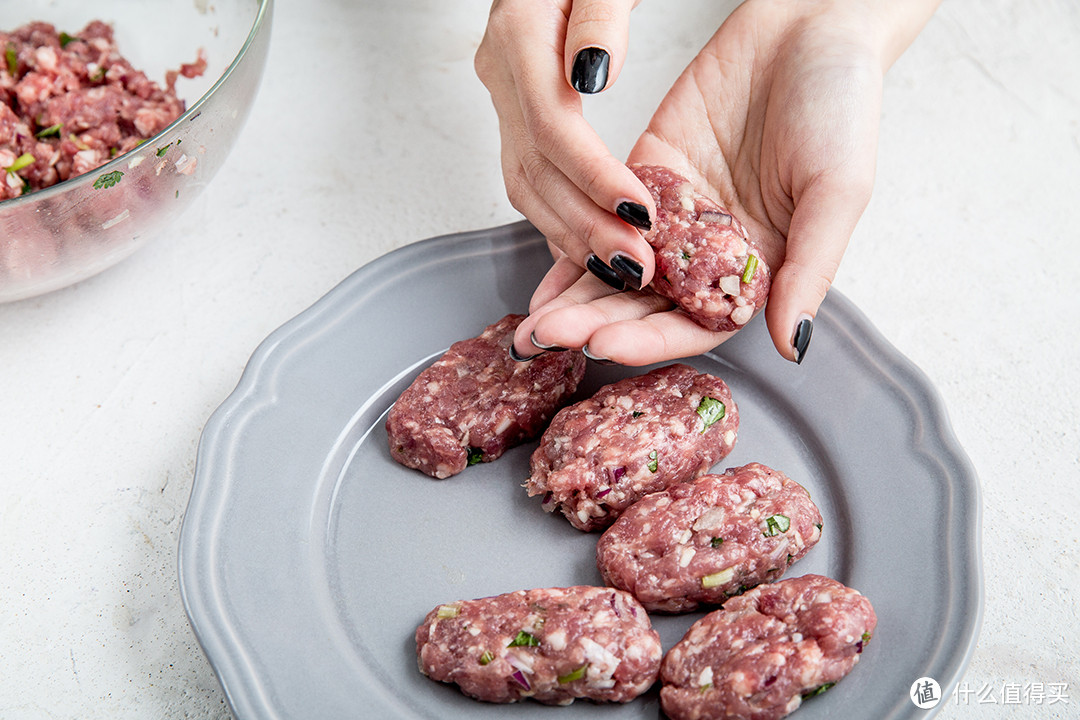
[(764, 651), (706, 540), (631, 438), (69, 103), (475, 402), (553, 645), (705, 262)]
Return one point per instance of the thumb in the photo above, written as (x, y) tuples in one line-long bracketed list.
[(597, 37), (821, 226)]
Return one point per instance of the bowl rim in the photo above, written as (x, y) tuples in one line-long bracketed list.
[(188, 114)]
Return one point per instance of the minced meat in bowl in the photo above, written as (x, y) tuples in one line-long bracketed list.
[(113, 116)]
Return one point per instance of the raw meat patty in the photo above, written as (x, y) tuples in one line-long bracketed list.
[(757, 657), (705, 262), (475, 402), (706, 540), (631, 438), (553, 645)]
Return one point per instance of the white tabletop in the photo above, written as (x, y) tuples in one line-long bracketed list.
[(371, 132)]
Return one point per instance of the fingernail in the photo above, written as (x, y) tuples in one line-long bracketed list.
[(634, 213), (598, 268), (517, 357), (596, 358), (801, 339), (628, 270), (589, 74), (542, 346)]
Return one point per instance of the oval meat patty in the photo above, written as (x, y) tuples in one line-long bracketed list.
[(758, 656), (475, 402), (631, 438), (705, 262), (705, 540), (553, 645)]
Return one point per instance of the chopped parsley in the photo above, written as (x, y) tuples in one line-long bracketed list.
[(487, 657), (636, 414), (475, 455), (65, 39), (524, 639), (24, 160), (654, 462), (818, 526), (866, 637), (776, 524), (162, 150), (575, 674), (51, 131), (818, 690), (12, 59), (716, 542), (711, 411), (108, 179)]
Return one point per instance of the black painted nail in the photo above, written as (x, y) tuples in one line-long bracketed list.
[(628, 269), (596, 358), (598, 268), (801, 340), (542, 346), (634, 213), (516, 357), (589, 74)]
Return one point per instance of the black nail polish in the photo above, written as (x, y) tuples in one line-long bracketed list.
[(597, 267), (547, 348), (801, 340), (628, 269), (516, 357), (634, 213), (596, 358), (590, 71)]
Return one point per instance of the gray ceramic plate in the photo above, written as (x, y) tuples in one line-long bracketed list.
[(308, 557)]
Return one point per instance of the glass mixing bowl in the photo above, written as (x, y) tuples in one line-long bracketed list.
[(59, 235)]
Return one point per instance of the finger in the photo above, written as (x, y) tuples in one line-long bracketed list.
[(585, 289), (597, 37), (821, 225), (562, 275), (657, 337)]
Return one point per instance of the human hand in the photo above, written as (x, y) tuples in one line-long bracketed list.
[(776, 118), (536, 57)]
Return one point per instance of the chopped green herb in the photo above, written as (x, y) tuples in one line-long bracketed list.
[(113, 152), (685, 255), (12, 59), (866, 637), (790, 559), (97, 75), (716, 542), (654, 462), (748, 271), (711, 411), (776, 524), (818, 690), (108, 179), (636, 414), (448, 611), (575, 674), (162, 150), (718, 578), (524, 639), (52, 130), (20, 162), (704, 688), (487, 657), (65, 39), (818, 526), (475, 455)]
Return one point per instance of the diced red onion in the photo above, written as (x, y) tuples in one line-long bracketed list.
[(602, 493), (618, 473), (521, 679)]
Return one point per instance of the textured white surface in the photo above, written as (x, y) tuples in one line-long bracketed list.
[(967, 260)]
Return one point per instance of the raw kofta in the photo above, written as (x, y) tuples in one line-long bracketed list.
[(552, 644), (759, 655), (631, 438), (475, 402), (705, 261), (705, 540)]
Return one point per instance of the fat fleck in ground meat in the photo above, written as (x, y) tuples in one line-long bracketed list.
[(475, 402), (632, 437), (71, 103), (553, 645), (757, 657), (705, 262), (706, 540)]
